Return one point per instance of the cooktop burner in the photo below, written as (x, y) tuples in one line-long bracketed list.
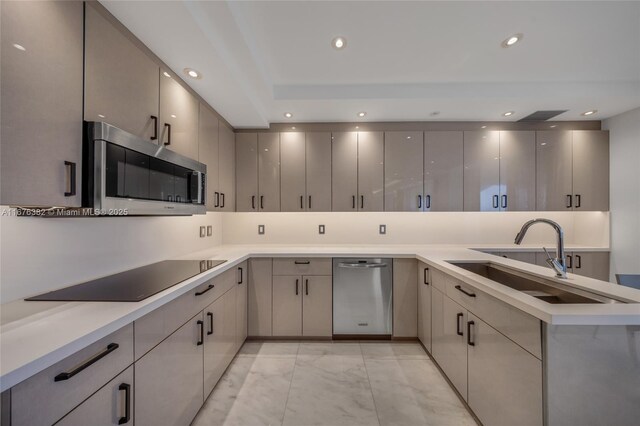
[(133, 285)]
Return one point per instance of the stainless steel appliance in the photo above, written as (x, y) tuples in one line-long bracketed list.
[(132, 285), (122, 172), (362, 296)]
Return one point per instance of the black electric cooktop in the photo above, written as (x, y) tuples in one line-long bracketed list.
[(133, 285)]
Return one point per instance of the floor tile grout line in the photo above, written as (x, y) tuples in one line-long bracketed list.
[(373, 398), (295, 363)]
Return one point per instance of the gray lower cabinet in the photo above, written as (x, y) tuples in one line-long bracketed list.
[(293, 187), (41, 104), (424, 305), (121, 81), (405, 296), (504, 380), (241, 305), (169, 379), (317, 303), (287, 305), (370, 171), (179, 111), (403, 171), (344, 171), (246, 172), (226, 168), (443, 171), (214, 344), (591, 170), (111, 405), (259, 297), (208, 153), (318, 171)]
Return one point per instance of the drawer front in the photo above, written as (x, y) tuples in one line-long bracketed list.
[(40, 400), (438, 279), (111, 405), (302, 266), (157, 325), (517, 325)]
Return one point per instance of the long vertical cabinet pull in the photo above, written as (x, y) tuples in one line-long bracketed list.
[(306, 285), (569, 201), (578, 261), (71, 167), (222, 200), (297, 283), (127, 403), (496, 203), (217, 198), (470, 325), (155, 128), (362, 202), (253, 202), (459, 316), (302, 202), (200, 332), (578, 201), (210, 317), (262, 202), (168, 127), (309, 202), (427, 201), (241, 279), (419, 202), (426, 281), (353, 202), (504, 201), (569, 261)]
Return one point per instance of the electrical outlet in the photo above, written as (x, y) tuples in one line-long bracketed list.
[(321, 229), (260, 229), (209, 230), (203, 232), (383, 229)]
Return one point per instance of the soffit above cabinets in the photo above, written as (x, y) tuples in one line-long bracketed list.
[(403, 61)]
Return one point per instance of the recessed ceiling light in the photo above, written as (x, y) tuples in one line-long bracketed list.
[(408, 137), (19, 46), (357, 127), (100, 115), (288, 114), (166, 74), (339, 43), (508, 113), (552, 126), (510, 41), (483, 127), (192, 73), (590, 112), (362, 114), (293, 127), (173, 116)]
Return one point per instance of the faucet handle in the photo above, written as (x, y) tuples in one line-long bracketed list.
[(547, 253)]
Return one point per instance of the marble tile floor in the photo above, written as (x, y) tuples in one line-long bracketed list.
[(333, 384)]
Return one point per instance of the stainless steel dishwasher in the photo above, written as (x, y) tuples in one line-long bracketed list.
[(362, 296)]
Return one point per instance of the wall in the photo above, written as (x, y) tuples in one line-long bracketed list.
[(42, 254), (581, 228), (624, 152)]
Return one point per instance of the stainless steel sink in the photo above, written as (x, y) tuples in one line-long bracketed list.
[(546, 290)]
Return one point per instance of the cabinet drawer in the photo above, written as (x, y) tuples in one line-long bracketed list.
[(157, 325), (302, 266), (111, 405), (517, 325), (40, 400), (438, 279)]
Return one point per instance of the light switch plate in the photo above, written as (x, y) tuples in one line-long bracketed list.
[(260, 229), (383, 229), (321, 229), (209, 230), (203, 232)]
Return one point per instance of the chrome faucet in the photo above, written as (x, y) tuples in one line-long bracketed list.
[(559, 264)]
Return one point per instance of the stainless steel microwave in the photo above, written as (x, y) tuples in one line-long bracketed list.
[(124, 174)]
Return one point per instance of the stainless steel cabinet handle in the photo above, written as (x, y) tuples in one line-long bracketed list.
[(361, 265)]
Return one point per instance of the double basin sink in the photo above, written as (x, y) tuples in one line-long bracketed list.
[(549, 291)]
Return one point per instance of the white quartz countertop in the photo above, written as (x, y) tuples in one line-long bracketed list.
[(36, 335)]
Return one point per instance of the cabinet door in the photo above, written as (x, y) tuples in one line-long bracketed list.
[(424, 305), (121, 83), (214, 347), (405, 298), (482, 171), (227, 167), (318, 169), (241, 306), (554, 173), (41, 102), (111, 405), (344, 171), (259, 297), (178, 117), (208, 154), (168, 379), (246, 172), (505, 381), (443, 171), (591, 170), (591, 264), (449, 345), (403, 171), (230, 323), (517, 170), (269, 172), (371, 171), (292, 172), (317, 304), (287, 305)]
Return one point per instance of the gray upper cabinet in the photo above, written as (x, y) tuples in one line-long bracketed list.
[(554, 170), (443, 172), (269, 172), (344, 171), (41, 102), (246, 172), (403, 171), (370, 171), (292, 171), (591, 170), (482, 171), (121, 81), (208, 154), (226, 168), (318, 171), (178, 116), (517, 170)]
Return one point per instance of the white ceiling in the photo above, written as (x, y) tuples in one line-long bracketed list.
[(403, 60)]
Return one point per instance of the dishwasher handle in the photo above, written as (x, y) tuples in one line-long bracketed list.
[(361, 265)]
